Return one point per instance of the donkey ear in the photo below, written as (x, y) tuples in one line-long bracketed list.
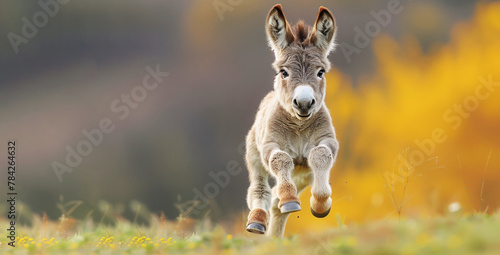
[(279, 33), (324, 31)]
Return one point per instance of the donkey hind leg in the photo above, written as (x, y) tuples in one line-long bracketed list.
[(278, 219), (258, 198)]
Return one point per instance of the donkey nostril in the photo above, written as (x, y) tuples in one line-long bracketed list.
[(313, 102), (295, 102)]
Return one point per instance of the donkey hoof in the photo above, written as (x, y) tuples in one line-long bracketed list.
[(256, 228), (290, 207), (320, 215)]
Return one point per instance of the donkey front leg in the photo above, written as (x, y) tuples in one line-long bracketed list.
[(281, 165), (321, 159)]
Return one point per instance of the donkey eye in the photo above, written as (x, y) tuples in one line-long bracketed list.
[(284, 74), (321, 73)]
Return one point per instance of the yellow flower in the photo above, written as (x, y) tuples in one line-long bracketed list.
[(229, 237)]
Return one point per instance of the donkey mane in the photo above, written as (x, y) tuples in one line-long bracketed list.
[(301, 32)]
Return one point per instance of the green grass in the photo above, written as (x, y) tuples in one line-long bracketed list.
[(479, 234)]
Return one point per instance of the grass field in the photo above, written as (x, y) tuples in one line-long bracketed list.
[(453, 234)]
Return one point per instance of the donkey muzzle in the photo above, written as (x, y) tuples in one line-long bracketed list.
[(303, 100)]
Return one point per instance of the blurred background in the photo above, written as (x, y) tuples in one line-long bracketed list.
[(423, 70)]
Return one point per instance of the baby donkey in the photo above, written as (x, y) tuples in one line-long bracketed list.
[(292, 138)]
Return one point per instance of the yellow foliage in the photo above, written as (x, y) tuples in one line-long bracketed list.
[(418, 106)]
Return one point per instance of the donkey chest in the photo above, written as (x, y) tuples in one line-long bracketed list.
[(298, 147)]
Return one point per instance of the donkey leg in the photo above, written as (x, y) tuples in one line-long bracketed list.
[(259, 202), (281, 165), (259, 193), (278, 220), (321, 160)]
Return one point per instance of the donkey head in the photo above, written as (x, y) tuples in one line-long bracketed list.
[(301, 60)]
